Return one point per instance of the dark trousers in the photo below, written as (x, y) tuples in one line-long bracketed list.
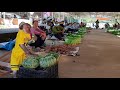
[(97, 26), (59, 36), (39, 42), (70, 30)]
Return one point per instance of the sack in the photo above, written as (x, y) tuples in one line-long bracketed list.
[(8, 45), (53, 37)]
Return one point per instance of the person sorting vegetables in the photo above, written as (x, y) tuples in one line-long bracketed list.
[(20, 51), (40, 34)]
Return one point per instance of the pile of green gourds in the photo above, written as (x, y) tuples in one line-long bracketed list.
[(44, 62)]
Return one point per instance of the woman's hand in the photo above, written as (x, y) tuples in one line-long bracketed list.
[(63, 30), (28, 54), (43, 35), (34, 37), (35, 53)]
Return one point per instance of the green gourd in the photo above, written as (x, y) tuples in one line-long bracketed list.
[(47, 61), (30, 62)]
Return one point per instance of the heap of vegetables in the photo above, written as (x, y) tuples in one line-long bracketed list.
[(30, 62), (82, 31), (74, 39), (49, 60), (114, 31), (109, 28), (62, 49), (44, 62)]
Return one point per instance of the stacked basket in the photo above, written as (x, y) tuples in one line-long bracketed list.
[(49, 71)]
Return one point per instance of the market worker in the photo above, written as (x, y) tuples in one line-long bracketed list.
[(74, 26), (97, 24), (40, 34), (115, 26), (70, 28), (56, 23), (67, 26), (81, 24), (20, 50), (58, 31), (49, 27), (61, 24)]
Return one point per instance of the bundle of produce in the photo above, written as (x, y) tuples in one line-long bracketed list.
[(47, 61), (30, 62), (38, 57), (73, 39), (116, 32), (56, 55), (82, 33), (111, 30)]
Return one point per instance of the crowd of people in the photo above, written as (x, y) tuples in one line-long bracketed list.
[(115, 26), (37, 34), (57, 29), (107, 25)]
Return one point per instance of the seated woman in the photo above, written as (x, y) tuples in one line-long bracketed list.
[(58, 31), (40, 34), (107, 25), (115, 26), (20, 51)]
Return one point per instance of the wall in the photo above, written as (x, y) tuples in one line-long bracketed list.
[(8, 23)]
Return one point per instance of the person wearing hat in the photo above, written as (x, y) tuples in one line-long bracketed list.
[(20, 50)]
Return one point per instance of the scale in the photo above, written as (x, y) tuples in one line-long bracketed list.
[(53, 39), (53, 42)]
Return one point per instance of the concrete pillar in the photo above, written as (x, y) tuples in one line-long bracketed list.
[(4, 15), (59, 15), (52, 14)]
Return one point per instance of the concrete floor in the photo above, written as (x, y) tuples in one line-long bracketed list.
[(99, 58), (2, 52)]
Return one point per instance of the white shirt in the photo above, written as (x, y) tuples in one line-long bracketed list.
[(66, 28)]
